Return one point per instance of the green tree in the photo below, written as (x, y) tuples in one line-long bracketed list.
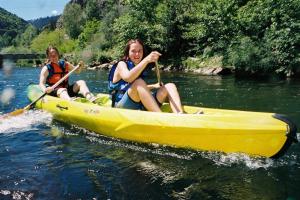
[(98, 9), (25, 38), (5, 40), (254, 36), (73, 19), (90, 28), (155, 22), (210, 23), (10, 27), (57, 38), (274, 27), (282, 38)]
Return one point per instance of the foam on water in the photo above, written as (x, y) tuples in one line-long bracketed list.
[(16, 195), (24, 122), (222, 159), (253, 163)]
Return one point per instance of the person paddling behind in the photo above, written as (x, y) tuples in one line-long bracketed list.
[(53, 71), (128, 87)]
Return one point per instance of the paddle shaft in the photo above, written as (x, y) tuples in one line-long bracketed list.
[(158, 74)]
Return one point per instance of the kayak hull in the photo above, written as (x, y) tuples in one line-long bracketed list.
[(253, 133)]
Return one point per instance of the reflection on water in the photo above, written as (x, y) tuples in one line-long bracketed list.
[(45, 159)]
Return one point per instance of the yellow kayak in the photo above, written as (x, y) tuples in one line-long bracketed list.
[(253, 133)]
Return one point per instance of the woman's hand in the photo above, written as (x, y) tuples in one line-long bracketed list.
[(153, 57), (48, 90), (155, 86), (81, 65)]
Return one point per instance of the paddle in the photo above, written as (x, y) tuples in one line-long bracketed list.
[(161, 84), (158, 74), (20, 111)]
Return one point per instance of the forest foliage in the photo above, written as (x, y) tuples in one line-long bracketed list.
[(10, 27), (257, 36), (45, 22)]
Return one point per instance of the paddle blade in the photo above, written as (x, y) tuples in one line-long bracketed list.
[(13, 114)]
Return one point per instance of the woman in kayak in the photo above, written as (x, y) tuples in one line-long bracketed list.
[(53, 71), (128, 87)]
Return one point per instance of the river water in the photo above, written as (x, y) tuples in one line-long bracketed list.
[(41, 158)]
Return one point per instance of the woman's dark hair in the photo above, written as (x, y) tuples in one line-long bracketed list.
[(50, 47), (127, 48)]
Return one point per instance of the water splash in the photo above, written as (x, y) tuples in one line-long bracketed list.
[(16, 194), (222, 159), (24, 122), (252, 163)]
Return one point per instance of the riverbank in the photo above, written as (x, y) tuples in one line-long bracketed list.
[(206, 67), (209, 71)]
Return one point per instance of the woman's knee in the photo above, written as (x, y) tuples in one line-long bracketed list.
[(165, 90), (162, 94), (171, 86), (138, 83), (61, 91), (80, 82)]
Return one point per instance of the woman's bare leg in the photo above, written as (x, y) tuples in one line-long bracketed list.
[(170, 91), (63, 94), (81, 87), (139, 92)]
